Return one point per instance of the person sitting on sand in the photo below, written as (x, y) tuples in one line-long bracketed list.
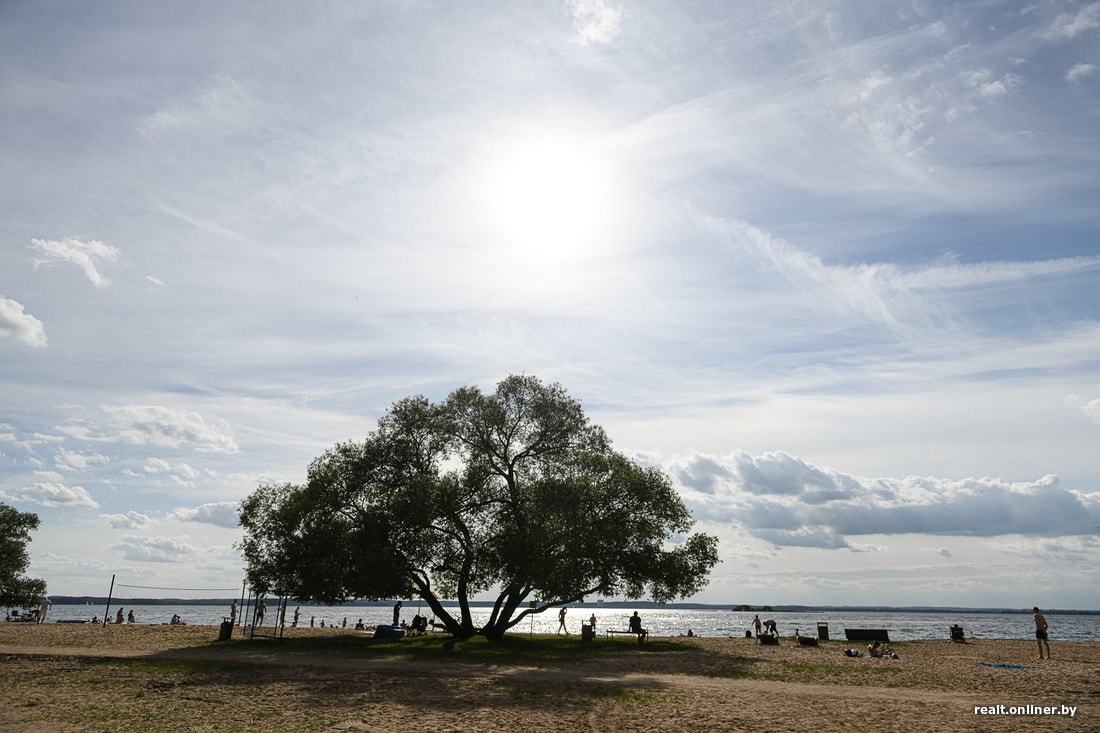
[(691, 633), (359, 626), (1041, 636), (120, 617), (95, 619), (874, 650), (130, 617)]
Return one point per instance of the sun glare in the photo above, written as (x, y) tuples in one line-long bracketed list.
[(547, 198)]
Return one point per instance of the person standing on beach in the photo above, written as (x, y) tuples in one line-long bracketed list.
[(311, 619), (261, 608), (294, 623), (756, 623), (561, 621), (592, 622), (120, 617), (397, 613), (233, 611), (45, 605), (1041, 632)]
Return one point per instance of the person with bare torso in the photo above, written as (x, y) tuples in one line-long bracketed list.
[(1041, 632)]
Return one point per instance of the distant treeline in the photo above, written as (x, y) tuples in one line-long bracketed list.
[(99, 600)]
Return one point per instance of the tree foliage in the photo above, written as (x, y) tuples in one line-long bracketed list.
[(513, 493), (15, 532)]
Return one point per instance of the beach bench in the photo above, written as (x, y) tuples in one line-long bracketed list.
[(768, 640), (641, 636), (867, 634), (807, 641)]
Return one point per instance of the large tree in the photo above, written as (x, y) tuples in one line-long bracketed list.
[(513, 492), (15, 532)]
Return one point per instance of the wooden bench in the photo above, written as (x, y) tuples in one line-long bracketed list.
[(867, 634), (641, 636)]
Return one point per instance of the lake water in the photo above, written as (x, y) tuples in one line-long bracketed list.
[(659, 622)]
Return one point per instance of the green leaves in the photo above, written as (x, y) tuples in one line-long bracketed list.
[(514, 491), (15, 532)]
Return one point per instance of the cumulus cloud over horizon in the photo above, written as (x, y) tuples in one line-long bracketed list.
[(155, 549), (786, 501), (16, 323), (218, 513), (50, 492), (127, 520)]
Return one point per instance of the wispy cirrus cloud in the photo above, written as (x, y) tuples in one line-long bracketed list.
[(16, 323), (89, 256), (1073, 24)]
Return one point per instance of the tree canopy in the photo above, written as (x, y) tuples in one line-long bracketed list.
[(15, 532), (513, 493)]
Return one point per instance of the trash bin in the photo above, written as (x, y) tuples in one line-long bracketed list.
[(822, 631), (587, 632), (225, 632)]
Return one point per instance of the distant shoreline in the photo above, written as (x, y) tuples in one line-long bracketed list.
[(737, 608)]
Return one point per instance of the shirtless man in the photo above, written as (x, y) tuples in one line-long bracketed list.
[(1041, 632)]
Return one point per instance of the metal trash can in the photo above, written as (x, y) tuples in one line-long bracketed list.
[(225, 632), (587, 632), (822, 631)]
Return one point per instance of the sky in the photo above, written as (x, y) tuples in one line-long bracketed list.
[(834, 266)]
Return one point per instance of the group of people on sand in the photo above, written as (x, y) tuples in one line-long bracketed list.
[(634, 624)]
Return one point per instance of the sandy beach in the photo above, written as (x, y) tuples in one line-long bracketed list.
[(83, 677)]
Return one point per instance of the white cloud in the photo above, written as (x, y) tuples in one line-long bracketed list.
[(155, 280), (129, 520), (73, 461), (595, 21), (219, 513), (155, 425), (787, 501), (1070, 25), (900, 297), (941, 551), (16, 323), (85, 255), (180, 473), (987, 86), (1080, 71), (1089, 408), (155, 549), (222, 106), (52, 493)]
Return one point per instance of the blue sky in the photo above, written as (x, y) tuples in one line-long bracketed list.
[(834, 267)]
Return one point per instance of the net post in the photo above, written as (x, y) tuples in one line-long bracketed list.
[(110, 593)]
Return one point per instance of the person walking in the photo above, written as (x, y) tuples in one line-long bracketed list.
[(1041, 637), (561, 621)]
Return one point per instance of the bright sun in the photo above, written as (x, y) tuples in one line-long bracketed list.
[(547, 197)]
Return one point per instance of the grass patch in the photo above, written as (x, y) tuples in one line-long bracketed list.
[(513, 648)]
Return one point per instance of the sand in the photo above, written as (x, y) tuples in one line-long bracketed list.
[(146, 678)]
